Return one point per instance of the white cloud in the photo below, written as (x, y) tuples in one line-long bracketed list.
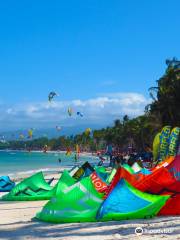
[(104, 108)]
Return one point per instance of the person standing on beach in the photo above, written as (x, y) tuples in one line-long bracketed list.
[(75, 157), (109, 152)]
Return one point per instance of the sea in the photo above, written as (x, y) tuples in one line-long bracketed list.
[(14, 163)]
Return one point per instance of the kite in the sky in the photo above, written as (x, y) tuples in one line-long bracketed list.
[(88, 131), (58, 128), (21, 136), (80, 114), (52, 95), (70, 111), (30, 133)]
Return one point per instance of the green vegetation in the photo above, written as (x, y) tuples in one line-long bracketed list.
[(137, 132), (166, 96)]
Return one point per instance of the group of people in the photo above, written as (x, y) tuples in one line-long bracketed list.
[(117, 158)]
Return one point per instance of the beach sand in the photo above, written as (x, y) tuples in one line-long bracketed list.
[(17, 223)]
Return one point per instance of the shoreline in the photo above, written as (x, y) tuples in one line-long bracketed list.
[(49, 151), (20, 174)]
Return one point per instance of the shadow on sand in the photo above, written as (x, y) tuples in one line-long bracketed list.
[(40, 230)]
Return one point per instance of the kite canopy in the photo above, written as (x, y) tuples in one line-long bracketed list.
[(70, 111), (76, 203), (172, 206), (128, 168), (21, 136), (174, 167), (136, 168), (84, 171), (156, 182), (126, 202), (80, 114), (58, 128), (88, 131), (30, 189), (51, 96), (30, 133), (111, 175), (101, 171), (145, 171), (156, 144), (6, 184), (65, 181), (81, 202)]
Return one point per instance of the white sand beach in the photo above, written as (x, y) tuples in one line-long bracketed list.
[(17, 223)]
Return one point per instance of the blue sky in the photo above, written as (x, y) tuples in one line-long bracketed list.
[(101, 56)]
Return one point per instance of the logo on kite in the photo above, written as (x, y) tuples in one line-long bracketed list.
[(80, 114), (99, 185), (52, 95)]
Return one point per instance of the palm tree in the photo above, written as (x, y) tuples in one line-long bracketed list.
[(166, 103)]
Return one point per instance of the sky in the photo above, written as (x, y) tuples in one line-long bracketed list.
[(101, 57)]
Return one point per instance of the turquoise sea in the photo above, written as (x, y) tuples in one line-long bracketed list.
[(14, 162)]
